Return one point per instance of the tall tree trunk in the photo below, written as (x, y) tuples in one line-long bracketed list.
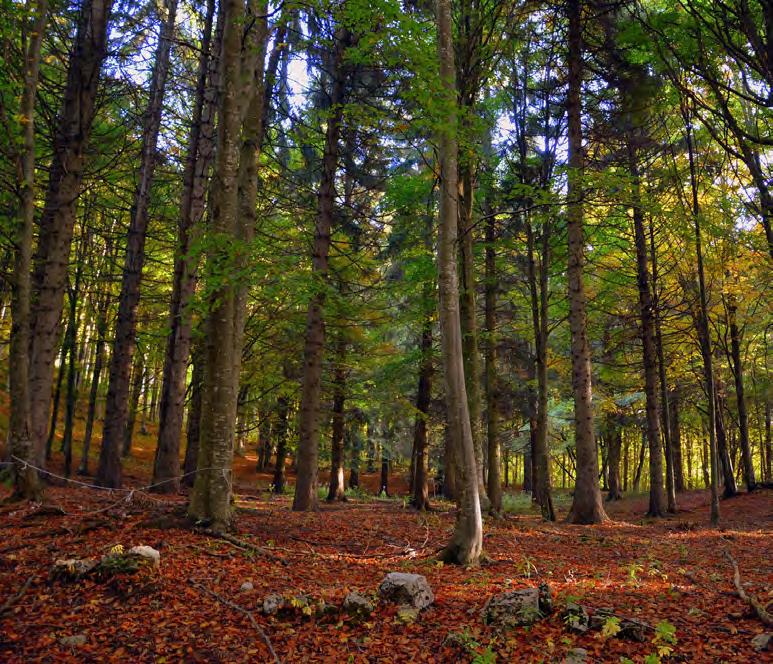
[(26, 484), (308, 435), (283, 409), (356, 453), (336, 488), (539, 315), (201, 146), (665, 418), (116, 405), (587, 505), (723, 451), (469, 320), (768, 446), (211, 496), (193, 433), (676, 439), (704, 335), (494, 480), (99, 357), (740, 397), (613, 460), (657, 501), (467, 539), (423, 396), (65, 175), (138, 376), (72, 345)]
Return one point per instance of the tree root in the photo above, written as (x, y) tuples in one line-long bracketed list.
[(241, 544), (8, 604), (762, 613), (240, 609)]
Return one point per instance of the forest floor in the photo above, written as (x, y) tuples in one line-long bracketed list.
[(672, 570)]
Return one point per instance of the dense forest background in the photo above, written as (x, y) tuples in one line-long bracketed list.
[(536, 257)]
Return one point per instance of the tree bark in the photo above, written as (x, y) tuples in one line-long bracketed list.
[(201, 146), (704, 336), (193, 433), (740, 397), (21, 443), (211, 497), (676, 440), (539, 316), (657, 500), (336, 487), (423, 396), (283, 409), (467, 539), (587, 505), (116, 406), (58, 217), (308, 435)]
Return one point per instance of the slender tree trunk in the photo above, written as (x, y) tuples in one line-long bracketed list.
[(467, 539), (72, 345), (494, 480), (640, 463), (704, 335), (336, 487), (768, 446), (676, 439), (101, 325), (138, 375), (539, 313), (311, 389), (211, 496), (57, 393), (469, 321), (615, 446), (283, 409), (65, 175), (356, 453), (26, 485), (665, 417), (423, 396), (115, 426), (723, 451), (190, 461), (587, 505), (740, 397), (383, 487), (201, 146), (657, 502)]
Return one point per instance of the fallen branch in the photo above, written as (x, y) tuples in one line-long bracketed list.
[(240, 609), (751, 600), (241, 544), (15, 598)]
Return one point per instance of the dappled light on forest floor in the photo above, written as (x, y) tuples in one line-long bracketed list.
[(671, 571)]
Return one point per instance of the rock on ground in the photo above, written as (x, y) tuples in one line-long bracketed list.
[(147, 552), (410, 589), (357, 604), (517, 608), (763, 642)]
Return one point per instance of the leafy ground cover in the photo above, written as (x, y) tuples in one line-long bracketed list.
[(670, 572)]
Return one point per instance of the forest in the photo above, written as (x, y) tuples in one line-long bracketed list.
[(386, 331)]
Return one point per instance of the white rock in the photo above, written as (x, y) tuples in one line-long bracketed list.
[(74, 641), (246, 587), (147, 552), (410, 589)]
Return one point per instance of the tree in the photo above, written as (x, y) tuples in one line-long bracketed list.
[(467, 539), (587, 506)]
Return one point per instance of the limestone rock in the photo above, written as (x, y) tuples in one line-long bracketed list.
[(73, 568), (763, 642), (575, 617), (246, 587), (357, 605), (576, 656), (515, 608), (74, 641), (273, 603), (148, 553), (409, 589)]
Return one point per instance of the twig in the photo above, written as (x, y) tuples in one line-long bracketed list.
[(241, 544), (240, 609), (751, 600), (15, 598), (214, 554)]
